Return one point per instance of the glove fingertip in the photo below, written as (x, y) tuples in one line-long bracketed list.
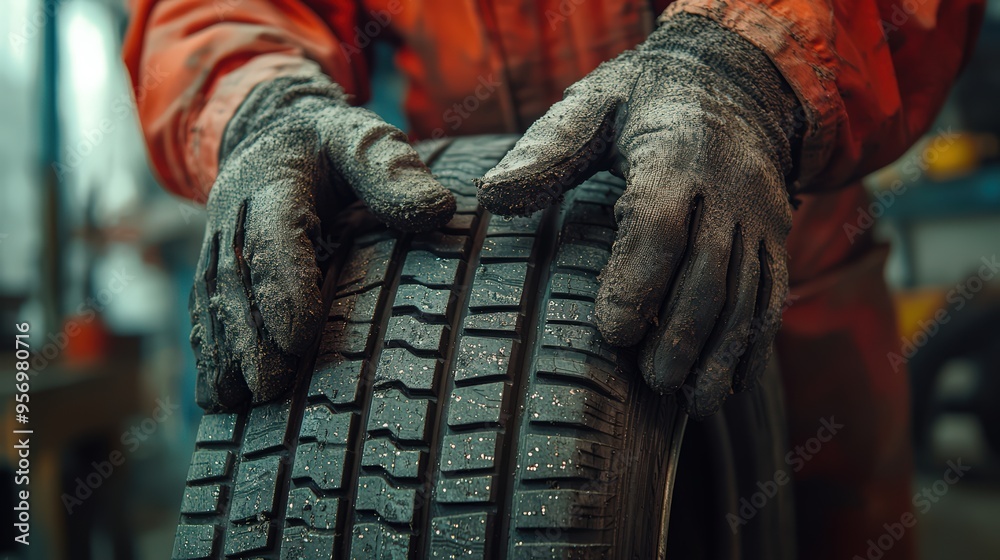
[(514, 196), (656, 368), (699, 406), (422, 210), (621, 324)]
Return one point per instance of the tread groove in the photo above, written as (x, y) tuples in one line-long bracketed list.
[(373, 347), (467, 277)]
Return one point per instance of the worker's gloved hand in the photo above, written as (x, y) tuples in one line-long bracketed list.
[(699, 124), (293, 155)]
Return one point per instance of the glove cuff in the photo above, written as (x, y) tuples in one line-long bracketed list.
[(282, 97), (726, 55)]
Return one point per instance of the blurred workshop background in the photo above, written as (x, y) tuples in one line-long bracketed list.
[(99, 261)]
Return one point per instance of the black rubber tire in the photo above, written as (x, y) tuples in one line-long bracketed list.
[(461, 404)]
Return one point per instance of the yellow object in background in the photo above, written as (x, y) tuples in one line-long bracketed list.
[(914, 306), (949, 160)]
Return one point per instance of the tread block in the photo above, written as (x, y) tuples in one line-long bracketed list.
[(407, 331), (591, 214), (458, 177), (498, 285), (441, 244), (201, 500), (562, 509), (256, 488), (573, 285), (467, 489), (588, 234), (209, 464), (465, 203), (548, 457), (505, 321), (468, 452), (582, 257), (266, 427), (460, 223), (603, 187), (217, 428), (487, 150), (399, 463), (578, 337), (460, 537), (403, 417), (570, 310), (395, 505), (426, 300), (355, 307), (321, 424), (573, 406), (430, 269), (476, 404), (433, 148), (314, 511), (366, 267), (194, 542), (299, 543), (399, 364), (250, 537), (323, 464), (582, 368), (560, 551), (481, 358), (337, 380), (346, 338), (506, 249), (374, 541), (513, 225)]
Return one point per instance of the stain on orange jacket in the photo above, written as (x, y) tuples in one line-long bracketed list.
[(871, 74)]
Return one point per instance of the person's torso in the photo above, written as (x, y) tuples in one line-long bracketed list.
[(477, 66)]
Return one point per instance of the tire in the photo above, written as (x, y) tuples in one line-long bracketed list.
[(461, 404)]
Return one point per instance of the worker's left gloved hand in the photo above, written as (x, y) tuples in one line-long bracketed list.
[(293, 156), (699, 124)]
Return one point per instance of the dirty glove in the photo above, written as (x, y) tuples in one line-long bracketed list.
[(293, 155), (698, 122)]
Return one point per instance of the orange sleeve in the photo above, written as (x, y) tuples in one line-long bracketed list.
[(193, 62), (871, 74)]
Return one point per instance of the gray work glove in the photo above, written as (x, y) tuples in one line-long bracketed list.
[(293, 155), (699, 124)]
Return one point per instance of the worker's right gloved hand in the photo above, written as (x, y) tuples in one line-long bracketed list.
[(293, 153), (701, 126)]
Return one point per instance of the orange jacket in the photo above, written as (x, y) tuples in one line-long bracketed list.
[(871, 74)]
